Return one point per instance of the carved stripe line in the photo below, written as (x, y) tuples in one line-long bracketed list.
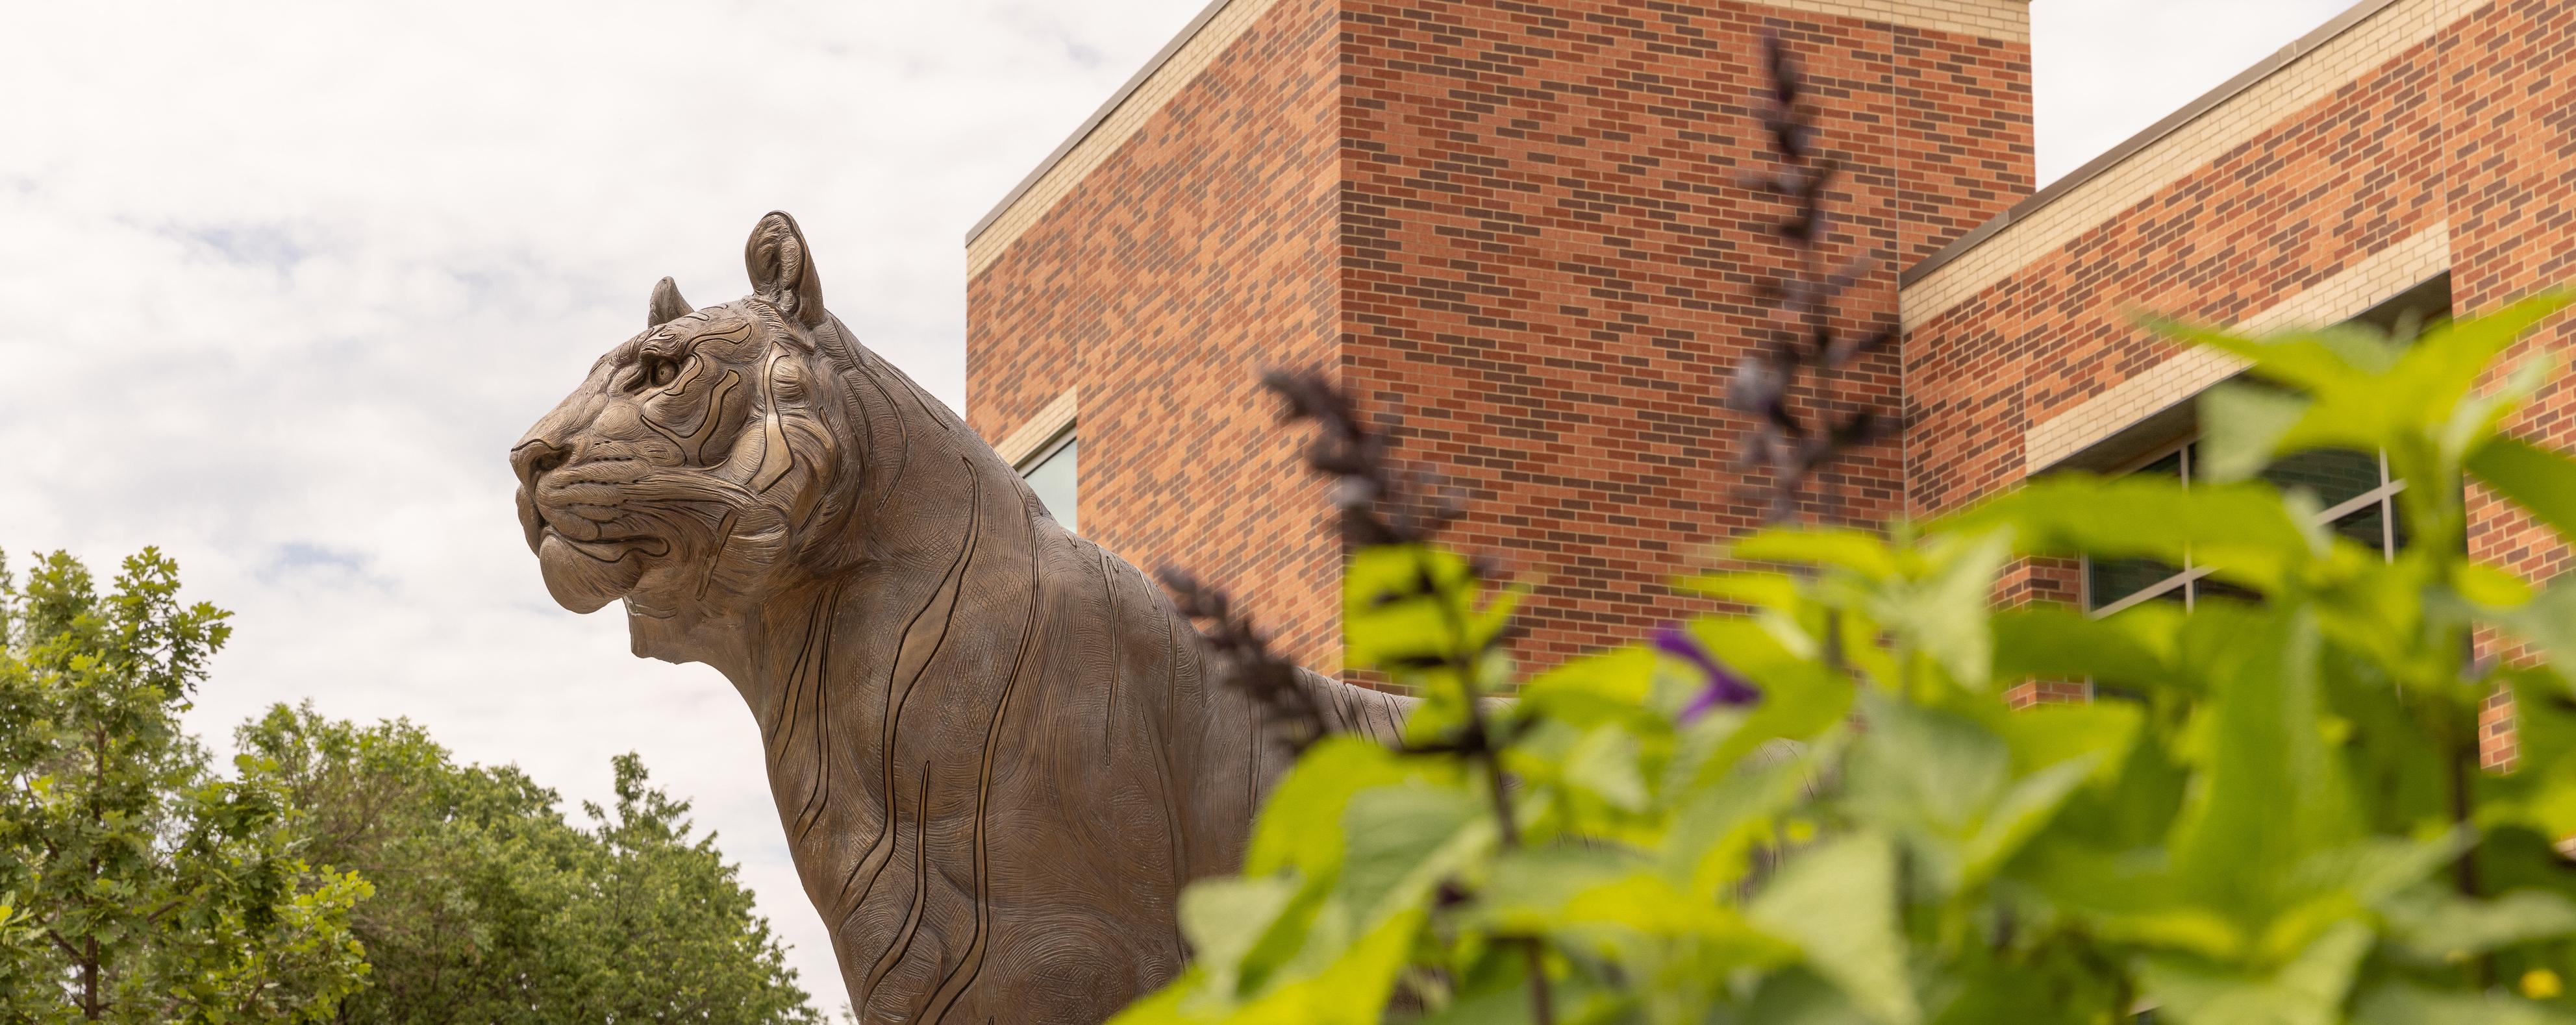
[(903, 434), (920, 891), (971, 965), (1163, 754), (775, 457), (1117, 663), (1385, 709), (832, 339), (724, 538), (952, 585), (818, 795), (787, 702)]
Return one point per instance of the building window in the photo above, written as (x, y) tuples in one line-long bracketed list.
[(1050, 473), (2360, 503)]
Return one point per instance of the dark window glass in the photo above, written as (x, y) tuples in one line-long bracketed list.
[(2206, 588), (2169, 466), (2366, 526), (2109, 580), (2336, 475)]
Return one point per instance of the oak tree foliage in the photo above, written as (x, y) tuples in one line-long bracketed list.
[(338, 872)]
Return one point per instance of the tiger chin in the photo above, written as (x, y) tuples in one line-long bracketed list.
[(997, 752)]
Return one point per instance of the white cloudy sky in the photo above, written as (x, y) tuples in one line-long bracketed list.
[(284, 280)]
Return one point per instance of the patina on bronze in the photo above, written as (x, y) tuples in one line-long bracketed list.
[(997, 750)]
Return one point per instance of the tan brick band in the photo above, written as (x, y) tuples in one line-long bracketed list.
[(2349, 293), (2307, 72), (1049, 421), (1224, 21), (1985, 19)]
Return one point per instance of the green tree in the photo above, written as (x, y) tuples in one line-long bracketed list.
[(1820, 809), (490, 907), (135, 884)]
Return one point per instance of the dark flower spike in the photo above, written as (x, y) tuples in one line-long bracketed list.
[(1270, 680), (1766, 386), (1720, 686), (1380, 504)]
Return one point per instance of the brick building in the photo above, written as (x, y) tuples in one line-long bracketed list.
[(1518, 233)]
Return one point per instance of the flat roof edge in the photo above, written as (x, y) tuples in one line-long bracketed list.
[(2130, 147), (1091, 124)]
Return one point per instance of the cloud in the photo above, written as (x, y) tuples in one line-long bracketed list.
[(2105, 70), (283, 282)]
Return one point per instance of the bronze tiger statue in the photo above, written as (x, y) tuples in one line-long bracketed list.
[(997, 750)]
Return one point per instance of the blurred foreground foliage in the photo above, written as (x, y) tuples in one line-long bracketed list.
[(1823, 810), (340, 873)]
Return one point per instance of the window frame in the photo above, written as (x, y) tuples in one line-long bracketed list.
[(2186, 445), (1056, 443), (1046, 450)]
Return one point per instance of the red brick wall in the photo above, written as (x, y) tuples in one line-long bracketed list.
[(2263, 222), (1545, 267), (1195, 255), (2511, 140), (2471, 126), (1549, 266)]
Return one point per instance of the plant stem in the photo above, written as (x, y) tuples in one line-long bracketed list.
[(1480, 747), (2463, 751)]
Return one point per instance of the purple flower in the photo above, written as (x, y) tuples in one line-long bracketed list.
[(1725, 686)]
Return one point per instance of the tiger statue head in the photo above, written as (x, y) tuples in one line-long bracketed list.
[(699, 467)]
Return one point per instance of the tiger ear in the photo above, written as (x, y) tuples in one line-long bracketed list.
[(782, 269), (667, 305)]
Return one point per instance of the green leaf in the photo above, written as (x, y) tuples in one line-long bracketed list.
[(2548, 621), (2018, 815), (1758, 590), (1301, 824), (2241, 428), (1859, 551), (2315, 360), (2244, 530), (1405, 606), (1716, 829), (2137, 647), (2046, 736), (2371, 392), (2238, 842), (1943, 613), (1837, 902), (1402, 841), (1352, 987), (2307, 991), (1918, 764), (2441, 927), (2542, 482), (2407, 1003), (1224, 918), (2437, 372), (1604, 764), (1609, 686), (1800, 996)]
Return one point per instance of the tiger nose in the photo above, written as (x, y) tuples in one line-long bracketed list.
[(533, 458)]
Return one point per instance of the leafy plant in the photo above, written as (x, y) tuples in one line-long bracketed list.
[(1822, 809)]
